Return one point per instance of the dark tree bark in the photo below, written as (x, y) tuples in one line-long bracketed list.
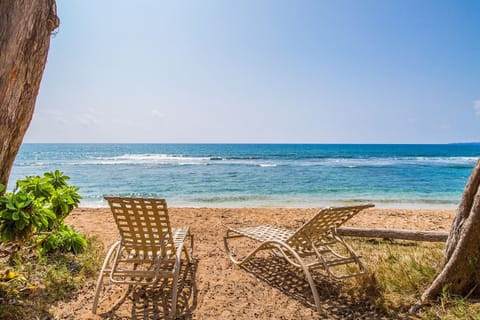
[(461, 271), (25, 29)]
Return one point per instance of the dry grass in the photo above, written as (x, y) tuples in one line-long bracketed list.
[(399, 273), (39, 282)]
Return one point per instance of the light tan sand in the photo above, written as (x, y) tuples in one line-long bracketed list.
[(224, 291)]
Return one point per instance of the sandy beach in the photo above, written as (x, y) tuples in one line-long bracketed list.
[(221, 290)]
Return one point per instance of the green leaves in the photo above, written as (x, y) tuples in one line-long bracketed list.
[(65, 239), (38, 186), (63, 201), (15, 216), (38, 204), (57, 179), (16, 211)]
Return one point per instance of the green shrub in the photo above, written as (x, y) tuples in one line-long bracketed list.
[(55, 191), (21, 214), (38, 206), (65, 240)]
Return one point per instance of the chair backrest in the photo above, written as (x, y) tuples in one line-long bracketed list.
[(143, 223), (322, 225)]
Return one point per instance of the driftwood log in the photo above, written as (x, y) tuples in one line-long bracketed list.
[(415, 235)]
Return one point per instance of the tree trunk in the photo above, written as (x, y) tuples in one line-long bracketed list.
[(461, 271), (25, 29)]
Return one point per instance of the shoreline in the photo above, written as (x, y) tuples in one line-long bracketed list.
[(409, 206), (295, 205), (399, 218)]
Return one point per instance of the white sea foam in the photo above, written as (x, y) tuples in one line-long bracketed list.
[(171, 159), (267, 165), (167, 159), (389, 161), (148, 159), (446, 160)]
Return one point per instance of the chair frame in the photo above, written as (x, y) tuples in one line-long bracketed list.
[(310, 247), (147, 243)]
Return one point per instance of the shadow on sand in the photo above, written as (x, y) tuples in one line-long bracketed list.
[(279, 274), (154, 302)]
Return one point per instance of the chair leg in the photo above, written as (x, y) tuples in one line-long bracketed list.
[(176, 272), (189, 255), (97, 292), (306, 271), (313, 287), (281, 246), (98, 285), (244, 260)]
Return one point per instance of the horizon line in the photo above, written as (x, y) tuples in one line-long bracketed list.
[(264, 143)]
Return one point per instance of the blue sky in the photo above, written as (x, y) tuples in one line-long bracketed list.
[(262, 71)]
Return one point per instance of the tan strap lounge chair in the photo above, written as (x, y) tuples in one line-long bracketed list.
[(315, 245), (148, 249)]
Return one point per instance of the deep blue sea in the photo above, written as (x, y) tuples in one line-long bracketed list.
[(259, 175)]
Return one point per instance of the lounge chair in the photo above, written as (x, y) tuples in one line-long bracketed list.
[(148, 249), (315, 245)]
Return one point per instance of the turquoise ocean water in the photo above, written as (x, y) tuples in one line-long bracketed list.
[(260, 175)]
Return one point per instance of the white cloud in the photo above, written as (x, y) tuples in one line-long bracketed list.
[(157, 114), (48, 116), (476, 106), (89, 118)]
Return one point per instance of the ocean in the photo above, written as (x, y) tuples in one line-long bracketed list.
[(260, 175)]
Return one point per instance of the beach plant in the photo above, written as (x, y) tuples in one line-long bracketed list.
[(37, 208), (21, 215), (32, 224), (65, 240), (54, 189)]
